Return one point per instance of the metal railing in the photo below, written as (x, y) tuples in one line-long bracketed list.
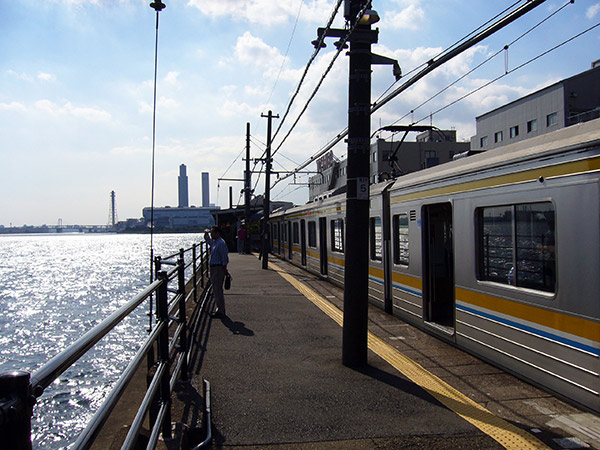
[(166, 351)]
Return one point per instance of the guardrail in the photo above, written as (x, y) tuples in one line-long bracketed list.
[(166, 350)]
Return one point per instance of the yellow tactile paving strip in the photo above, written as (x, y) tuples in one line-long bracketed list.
[(508, 435)]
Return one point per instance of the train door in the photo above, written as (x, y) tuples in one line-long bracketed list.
[(323, 244), (438, 265), (290, 240), (303, 241)]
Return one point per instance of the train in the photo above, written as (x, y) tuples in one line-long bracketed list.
[(497, 253)]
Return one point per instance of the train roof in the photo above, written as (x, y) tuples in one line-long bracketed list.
[(560, 141)]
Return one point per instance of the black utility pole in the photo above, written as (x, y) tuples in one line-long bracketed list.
[(267, 198), (247, 190), (356, 274)]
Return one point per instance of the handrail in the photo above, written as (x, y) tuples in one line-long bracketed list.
[(42, 378), (18, 390)]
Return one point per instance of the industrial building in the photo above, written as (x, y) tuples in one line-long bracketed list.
[(565, 103), (183, 216), (388, 159)]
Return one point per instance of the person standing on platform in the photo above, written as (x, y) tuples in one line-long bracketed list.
[(241, 239), (219, 259)]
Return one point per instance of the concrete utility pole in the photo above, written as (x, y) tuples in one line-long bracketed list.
[(267, 198), (356, 274), (247, 188)]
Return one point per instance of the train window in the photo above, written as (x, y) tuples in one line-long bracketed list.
[(295, 233), (312, 234), (376, 239), (337, 235), (516, 245), (400, 223), (535, 246), (275, 231), (284, 233)]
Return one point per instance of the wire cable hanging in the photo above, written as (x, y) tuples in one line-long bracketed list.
[(340, 47), (447, 49), (511, 71), (432, 65), (318, 47), (489, 58), (158, 6)]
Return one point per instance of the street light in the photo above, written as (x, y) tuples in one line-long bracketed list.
[(369, 17)]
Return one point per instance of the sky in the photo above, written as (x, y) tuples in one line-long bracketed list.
[(76, 91)]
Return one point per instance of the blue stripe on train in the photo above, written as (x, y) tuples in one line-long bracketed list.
[(554, 337)]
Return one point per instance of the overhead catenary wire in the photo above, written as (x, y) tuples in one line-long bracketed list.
[(301, 81), (340, 46), (450, 47), (318, 47), (431, 65), (520, 66), (286, 52), (488, 59)]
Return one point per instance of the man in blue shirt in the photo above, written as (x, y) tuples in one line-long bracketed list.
[(219, 259)]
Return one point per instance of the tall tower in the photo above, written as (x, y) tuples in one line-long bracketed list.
[(112, 210), (183, 187), (205, 190)]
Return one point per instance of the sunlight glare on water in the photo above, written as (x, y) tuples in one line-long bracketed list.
[(55, 288)]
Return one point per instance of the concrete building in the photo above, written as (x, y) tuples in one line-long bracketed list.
[(184, 216), (183, 187), (565, 103), (205, 190), (174, 218), (431, 148)]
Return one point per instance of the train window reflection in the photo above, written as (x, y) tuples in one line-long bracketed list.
[(312, 234), (401, 253), (376, 239), (337, 235), (295, 233), (517, 245)]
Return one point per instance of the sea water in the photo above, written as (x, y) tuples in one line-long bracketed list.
[(55, 288)]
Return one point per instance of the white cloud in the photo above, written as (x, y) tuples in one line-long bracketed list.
[(252, 51), (162, 103), (593, 11), (46, 76), (20, 76), (231, 108), (87, 113), (12, 106), (410, 18), (265, 12), (171, 77)]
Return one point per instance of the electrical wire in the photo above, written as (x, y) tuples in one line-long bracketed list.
[(489, 58), (432, 65), (340, 46), (318, 47), (447, 49), (286, 52), (512, 70)]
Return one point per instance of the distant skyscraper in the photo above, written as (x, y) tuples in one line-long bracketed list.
[(183, 187), (205, 190)]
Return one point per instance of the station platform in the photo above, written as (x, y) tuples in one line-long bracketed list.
[(274, 364)]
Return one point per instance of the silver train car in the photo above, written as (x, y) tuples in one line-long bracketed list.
[(497, 253)]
